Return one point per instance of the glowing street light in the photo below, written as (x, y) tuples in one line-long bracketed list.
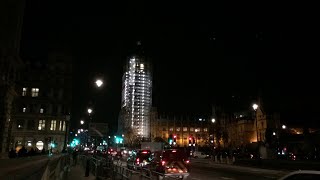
[(99, 82), (82, 122), (89, 111), (284, 126), (213, 120), (255, 106)]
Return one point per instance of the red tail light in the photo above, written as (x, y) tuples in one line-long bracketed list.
[(187, 161), (138, 160), (174, 151), (145, 152), (163, 163)]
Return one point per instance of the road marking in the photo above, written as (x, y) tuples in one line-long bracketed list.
[(226, 178), (195, 178)]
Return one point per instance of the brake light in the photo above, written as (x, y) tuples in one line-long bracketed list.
[(187, 161), (145, 152), (174, 151), (138, 160), (163, 163)]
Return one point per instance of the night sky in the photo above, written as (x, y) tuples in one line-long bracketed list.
[(202, 54)]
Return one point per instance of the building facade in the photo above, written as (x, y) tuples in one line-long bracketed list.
[(136, 95), (187, 131), (98, 132), (11, 13), (42, 109)]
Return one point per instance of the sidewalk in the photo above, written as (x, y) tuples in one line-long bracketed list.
[(77, 172)]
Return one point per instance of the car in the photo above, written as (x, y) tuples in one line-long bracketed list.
[(201, 155), (138, 159), (302, 175), (170, 163)]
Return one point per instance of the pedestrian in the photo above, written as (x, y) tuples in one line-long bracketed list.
[(75, 156)]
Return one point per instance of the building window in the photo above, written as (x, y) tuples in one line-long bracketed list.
[(24, 109), (191, 129), (197, 130), (24, 91), (171, 129), (20, 123), (31, 124), (35, 92), (60, 126), (185, 129), (164, 129), (64, 126), (53, 125), (42, 124), (178, 129), (205, 129), (41, 110), (39, 145)]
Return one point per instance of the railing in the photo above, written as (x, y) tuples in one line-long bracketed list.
[(37, 167), (107, 168)]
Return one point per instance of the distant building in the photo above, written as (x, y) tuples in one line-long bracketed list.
[(136, 95), (42, 109), (11, 13), (251, 126), (183, 128), (98, 132)]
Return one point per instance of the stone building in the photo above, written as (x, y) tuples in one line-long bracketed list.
[(42, 109), (183, 128), (11, 18)]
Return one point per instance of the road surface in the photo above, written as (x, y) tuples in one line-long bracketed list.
[(202, 169)]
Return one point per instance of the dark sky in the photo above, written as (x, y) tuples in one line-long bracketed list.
[(202, 53)]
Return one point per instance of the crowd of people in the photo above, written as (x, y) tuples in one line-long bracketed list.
[(24, 152)]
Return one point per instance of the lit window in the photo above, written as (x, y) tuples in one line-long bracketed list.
[(205, 129), (24, 109), (171, 129), (141, 66), (19, 126), (185, 129), (35, 92), (41, 110), (60, 126), (29, 144), (24, 91), (42, 124), (178, 129), (191, 129), (53, 125), (39, 145)]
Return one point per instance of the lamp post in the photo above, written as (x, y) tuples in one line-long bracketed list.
[(255, 107), (213, 120), (89, 112)]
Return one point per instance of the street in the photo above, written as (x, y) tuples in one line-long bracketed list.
[(201, 169)]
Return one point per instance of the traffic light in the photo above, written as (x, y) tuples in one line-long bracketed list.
[(170, 140), (174, 139), (190, 141)]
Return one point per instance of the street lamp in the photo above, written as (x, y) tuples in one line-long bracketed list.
[(213, 120), (255, 107), (99, 82), (284, 126), (82, 122), (89, 111)]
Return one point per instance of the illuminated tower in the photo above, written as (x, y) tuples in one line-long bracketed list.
[(136, 94)]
